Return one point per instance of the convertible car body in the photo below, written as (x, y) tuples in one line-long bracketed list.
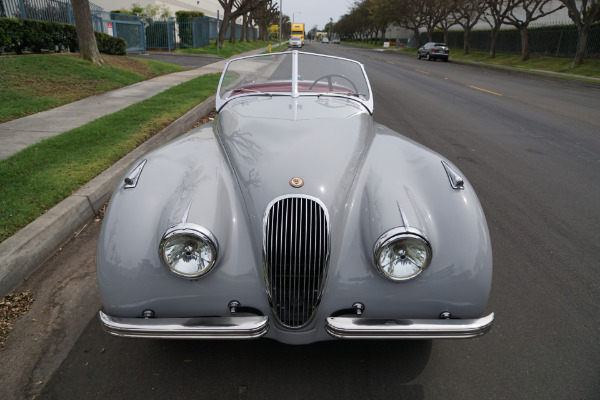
[(294, 217)]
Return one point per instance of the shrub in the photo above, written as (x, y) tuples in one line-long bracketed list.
[(18, 35), (11, 35), (185, 19), (110, 45)]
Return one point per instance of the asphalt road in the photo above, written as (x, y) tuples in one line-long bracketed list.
[(530, 147)]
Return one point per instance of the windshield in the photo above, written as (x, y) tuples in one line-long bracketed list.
[(315, 75)]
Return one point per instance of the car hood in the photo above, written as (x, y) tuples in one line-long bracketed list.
[(269, 141)]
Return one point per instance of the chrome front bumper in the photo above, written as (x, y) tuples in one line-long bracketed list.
[(253, 327), (360, 328), (186, 328)]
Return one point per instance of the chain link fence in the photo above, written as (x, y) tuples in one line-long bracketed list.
[(139, 34), (47, 10), (168, 34)]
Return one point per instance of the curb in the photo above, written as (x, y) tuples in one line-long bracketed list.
[(24, 251), (580, 80)]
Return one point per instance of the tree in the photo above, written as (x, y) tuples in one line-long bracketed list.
[(583, 16), (137, 9), (265, 16), (496, 13), (86, 39), (433, 14), (361, 19), (525, 13), (246, 26), (273, 31), (230, 14), (381, 15), (447, 19), (410, 14), (467, 14), (156, 11)]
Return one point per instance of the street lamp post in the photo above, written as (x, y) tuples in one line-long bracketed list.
[(294, 15), (280, 17)]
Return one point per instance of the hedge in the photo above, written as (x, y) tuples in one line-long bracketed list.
[(19, 35), (184, 19)]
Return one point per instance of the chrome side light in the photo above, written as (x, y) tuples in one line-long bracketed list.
[(402, 254), (189, 250), (456, 181), (131, 180)]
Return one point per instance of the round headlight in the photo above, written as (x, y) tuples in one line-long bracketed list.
[(189, 250), (402, 255)]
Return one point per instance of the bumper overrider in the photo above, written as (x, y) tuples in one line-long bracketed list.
[(252, 327)]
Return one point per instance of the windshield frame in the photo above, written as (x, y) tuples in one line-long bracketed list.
[(366, 102)]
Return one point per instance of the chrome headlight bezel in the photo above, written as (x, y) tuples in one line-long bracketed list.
[(197, 234), (397, 235)]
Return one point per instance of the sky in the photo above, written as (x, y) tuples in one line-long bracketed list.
[(315, 12)]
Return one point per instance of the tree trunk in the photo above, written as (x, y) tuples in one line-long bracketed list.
[(466, 38), (417, 36), (244, 28), (582, 39), (446, 36), (524, 43), (88, 48), (232, 31), (224, 24), (494, 42)]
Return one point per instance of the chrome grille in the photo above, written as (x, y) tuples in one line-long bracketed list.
[(296, 254)]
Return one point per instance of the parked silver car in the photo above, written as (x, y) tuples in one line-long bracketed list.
[(294, 216)]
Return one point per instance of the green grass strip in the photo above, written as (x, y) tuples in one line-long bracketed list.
[(590, 67), (227, 49), (35, 83), (42, 175)]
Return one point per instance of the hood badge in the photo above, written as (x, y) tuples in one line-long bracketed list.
[(296, 182)]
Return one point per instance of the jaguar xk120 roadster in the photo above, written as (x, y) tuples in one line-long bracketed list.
[(294, 216)]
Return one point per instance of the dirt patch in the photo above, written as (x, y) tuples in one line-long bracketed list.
[(12, 306), (130, 64), (207, 118)]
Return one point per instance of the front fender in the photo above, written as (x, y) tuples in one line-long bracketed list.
[(174, 184), (402, 183)]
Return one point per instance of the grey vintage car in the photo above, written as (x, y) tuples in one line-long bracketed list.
[(294, 216)]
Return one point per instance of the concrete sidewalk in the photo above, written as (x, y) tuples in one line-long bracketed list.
[(20, 133), (32, 245)]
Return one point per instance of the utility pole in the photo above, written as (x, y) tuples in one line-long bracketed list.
[(280, 17)]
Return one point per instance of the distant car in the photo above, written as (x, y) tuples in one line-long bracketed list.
[(325, 40), (335, 40), (433, 51), (295, 41)]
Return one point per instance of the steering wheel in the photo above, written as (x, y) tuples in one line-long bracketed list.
[(329, 81)]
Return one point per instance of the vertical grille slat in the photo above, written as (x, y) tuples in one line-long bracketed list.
[(296, 253)]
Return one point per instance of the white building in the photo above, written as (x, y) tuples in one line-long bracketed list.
[(208, 7)]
